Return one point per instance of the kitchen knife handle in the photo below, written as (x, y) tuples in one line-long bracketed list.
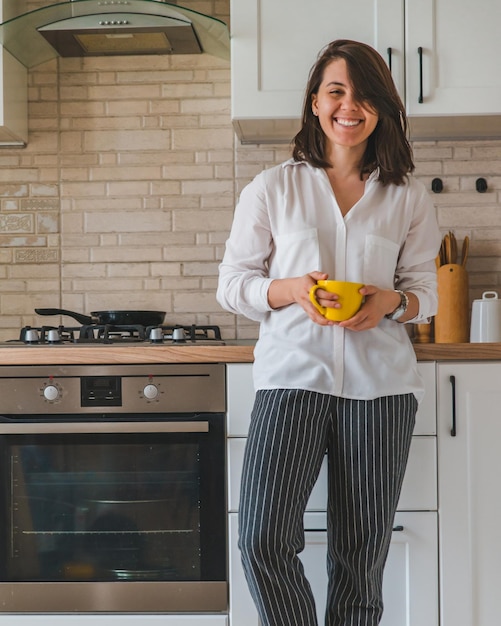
[(389, 51), (420, 53), (452, 380)]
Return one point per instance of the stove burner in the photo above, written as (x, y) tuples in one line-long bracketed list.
[(48, 334), (183, 334), (109, 333)]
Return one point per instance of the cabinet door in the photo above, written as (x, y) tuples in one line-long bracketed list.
[(410, 582), (469, 492), (13, 101), (419, 490), (461, 47), (240, 399), (274, 45)]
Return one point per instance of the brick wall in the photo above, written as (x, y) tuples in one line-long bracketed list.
[(124, 196)]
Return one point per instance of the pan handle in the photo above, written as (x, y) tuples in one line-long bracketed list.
[(79, 317)]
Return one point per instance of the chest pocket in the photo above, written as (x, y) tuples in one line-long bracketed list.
[(380, 261), (296, 253)]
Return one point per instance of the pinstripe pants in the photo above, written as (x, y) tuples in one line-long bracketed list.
[(367, 443)]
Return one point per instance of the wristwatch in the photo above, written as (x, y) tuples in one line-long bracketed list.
[(401, 308)]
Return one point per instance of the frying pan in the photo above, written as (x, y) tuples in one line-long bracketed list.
[(117, 318)]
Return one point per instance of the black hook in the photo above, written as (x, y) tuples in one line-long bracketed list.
[(437, 185), (481, 185)]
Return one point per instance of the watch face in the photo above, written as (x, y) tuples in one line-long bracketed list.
[(398, 313), (402, 308)]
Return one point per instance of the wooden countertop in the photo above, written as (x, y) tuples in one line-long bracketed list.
[(458, 351), (233, 352), (70, 354)]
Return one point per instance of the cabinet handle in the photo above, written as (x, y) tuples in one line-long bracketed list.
[(452, 380), (388, 50), (398, 529), (420, 52)]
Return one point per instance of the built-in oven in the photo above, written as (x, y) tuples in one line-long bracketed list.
[(112, 489)]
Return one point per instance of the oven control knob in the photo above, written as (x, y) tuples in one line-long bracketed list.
[(150, 391), (51, 392)]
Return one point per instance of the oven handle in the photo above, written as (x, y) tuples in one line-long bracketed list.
[(70, 428)]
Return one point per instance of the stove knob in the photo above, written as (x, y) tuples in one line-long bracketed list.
[(178, 335), (51, 392), (150, 391), (31, 336), (53, 336), (156, 335)]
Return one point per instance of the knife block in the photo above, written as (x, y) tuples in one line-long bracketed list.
[(452, 318)]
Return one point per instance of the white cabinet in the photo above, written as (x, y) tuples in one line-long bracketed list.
[(409, 586), (240, 398), (13, 91), (13, 101), (469, 492), (411, 574), (274, 44), (461, 46), (451, 88)]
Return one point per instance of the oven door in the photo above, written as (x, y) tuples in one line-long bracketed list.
[(113, 514)]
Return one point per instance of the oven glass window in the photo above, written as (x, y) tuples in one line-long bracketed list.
[(113, 507)]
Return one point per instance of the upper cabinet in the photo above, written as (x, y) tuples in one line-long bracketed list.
[(13, 101), (443, 64), (455, 89), (13, 90)]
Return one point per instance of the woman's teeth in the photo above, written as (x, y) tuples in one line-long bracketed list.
[(348, 122)]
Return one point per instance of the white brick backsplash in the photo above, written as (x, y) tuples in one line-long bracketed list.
[(202, 220)]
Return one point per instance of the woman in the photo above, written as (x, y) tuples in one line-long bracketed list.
[(345, 207)]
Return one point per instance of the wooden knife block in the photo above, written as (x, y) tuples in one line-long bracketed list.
[(452, 318)]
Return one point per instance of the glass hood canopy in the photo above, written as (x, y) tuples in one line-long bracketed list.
[(108, 27)]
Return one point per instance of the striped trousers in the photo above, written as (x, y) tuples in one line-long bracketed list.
[(367, 443)]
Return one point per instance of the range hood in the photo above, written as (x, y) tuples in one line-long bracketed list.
[(112, 27)]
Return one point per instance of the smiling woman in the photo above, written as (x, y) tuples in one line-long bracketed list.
[(347, 208)]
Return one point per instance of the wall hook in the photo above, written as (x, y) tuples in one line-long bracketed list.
[(437, 185), (481, 185)]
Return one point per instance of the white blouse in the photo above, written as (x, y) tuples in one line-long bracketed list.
[(287, 223)]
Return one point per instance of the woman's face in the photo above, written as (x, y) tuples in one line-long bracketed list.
[(344, 121)]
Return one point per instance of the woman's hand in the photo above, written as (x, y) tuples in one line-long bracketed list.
[(378, 303), (285, 291)]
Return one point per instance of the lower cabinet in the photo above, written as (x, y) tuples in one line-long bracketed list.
[(410, 581), (469, 453), (411, 575)]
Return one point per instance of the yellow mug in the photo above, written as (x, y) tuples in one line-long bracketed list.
[(348, 297)]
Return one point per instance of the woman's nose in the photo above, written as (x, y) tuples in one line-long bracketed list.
[(348, 102)]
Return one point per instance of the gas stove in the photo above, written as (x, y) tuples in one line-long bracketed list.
[(100, 334)]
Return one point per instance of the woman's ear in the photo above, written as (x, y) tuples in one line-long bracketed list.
[(314, 108)]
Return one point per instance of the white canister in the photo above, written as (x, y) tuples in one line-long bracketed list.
[(486, 319)]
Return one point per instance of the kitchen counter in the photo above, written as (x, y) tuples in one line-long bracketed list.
[(71, 354), (458, 351), (232, 352)]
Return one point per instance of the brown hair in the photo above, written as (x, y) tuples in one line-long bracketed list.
[(388, 147)]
